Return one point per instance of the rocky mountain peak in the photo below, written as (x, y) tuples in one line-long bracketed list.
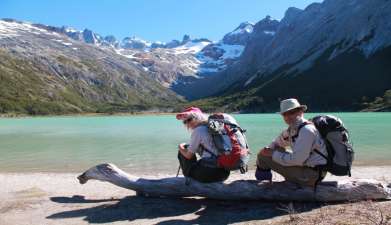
[(267, 26), (186, 38), (135, 43), (90, 37), (240, 35), (291, 13)]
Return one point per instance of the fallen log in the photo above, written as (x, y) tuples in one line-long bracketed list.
[(240, 189)]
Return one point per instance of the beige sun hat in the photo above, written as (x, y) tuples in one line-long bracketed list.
[(289, 104)]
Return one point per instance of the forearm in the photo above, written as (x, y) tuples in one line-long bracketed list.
[(281, 141), (301, 150), (287, 159), (186, 153)]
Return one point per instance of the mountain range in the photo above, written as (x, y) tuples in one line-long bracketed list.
[(43, 72), (334, 56)]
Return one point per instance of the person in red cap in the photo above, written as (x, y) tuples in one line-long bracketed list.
[(201, 143)]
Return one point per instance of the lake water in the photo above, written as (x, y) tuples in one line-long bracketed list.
[(148, 144)]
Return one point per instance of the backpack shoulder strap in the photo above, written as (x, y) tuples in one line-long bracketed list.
[(321, 154), (303, 125), (209, 151), (203, 147), (299, 128)]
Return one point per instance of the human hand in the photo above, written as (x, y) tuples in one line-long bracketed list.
[(182, 146), (266, 151)]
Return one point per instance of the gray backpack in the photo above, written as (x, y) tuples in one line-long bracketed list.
[(230, 141), (340, 154)]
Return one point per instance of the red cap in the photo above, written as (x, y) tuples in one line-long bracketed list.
[(187, 112)]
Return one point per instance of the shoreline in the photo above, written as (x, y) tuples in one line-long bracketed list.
[(11, 115), (358, 172), (357, 166), (58, 198), (85, 115)]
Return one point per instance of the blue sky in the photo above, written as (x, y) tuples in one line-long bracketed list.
[(154, 20)]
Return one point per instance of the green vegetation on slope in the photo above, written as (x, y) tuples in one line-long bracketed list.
[(27, 87), (379, 104), (328, 85)]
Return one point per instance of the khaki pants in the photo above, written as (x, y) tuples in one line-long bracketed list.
[(301, 175)]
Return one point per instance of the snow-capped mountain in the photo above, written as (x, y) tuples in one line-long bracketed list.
[(331, 54), (220, 57), (204, 58), (216, 57), (193, 58), (44, 71), (178, 62), (175, 64), (168, 63), (240, 35), (135, 43)]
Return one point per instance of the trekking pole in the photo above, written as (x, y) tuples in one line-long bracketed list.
[(179, 169)]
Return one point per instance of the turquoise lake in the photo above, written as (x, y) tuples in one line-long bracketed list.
[(148, 144)]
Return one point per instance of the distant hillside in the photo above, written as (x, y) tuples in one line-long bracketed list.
[(43, 72), (380, 104)]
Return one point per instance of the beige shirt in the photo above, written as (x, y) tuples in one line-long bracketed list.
[(299, 151)]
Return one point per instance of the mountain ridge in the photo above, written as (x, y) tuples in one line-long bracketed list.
[(43, 72), (351, 34), (314, 54)]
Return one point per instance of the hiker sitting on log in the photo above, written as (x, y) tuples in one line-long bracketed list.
[(300, 164), (201, 143)]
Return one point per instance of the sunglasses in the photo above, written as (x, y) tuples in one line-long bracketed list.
[(187, 120)]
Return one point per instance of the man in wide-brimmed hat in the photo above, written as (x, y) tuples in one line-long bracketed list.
[(291, 154)]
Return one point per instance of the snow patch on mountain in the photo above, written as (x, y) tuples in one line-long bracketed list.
[(217, 57), (125, 53), (9, 28), (269, 32), (245, 27), (250, 80), (231, 51), (62, 42), (70, 30), (190, 47), (135, 43)]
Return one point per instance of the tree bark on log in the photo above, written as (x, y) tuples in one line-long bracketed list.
[(240, 189)]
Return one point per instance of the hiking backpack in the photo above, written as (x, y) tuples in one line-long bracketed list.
[(340, 154), (230, 141)]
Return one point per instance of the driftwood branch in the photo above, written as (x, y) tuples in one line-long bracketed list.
[(240, 189)]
